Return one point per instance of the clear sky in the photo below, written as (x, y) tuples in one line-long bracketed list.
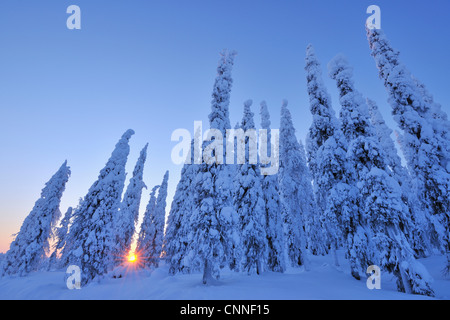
[(150, 65)]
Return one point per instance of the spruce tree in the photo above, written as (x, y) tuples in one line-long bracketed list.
[(92, 234), (249, 204), (416, 233), (324, 118), (274, 219), (315, 235), (223, 173), (31, 245), (425, 137), (372, 228), (160, 220), (127, 217), (144, 241), (292, 170), (179, 232), (212, 190), (326, 149), (151, 240), (61, 238), (208, 247)]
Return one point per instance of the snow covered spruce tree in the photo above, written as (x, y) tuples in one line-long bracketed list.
[(274, 219), (249, 202), (151, 238), (213, 213), (291, 174), (28, 250), (372, 227), (331, 184), (144, 241), (160, 220), (61, 238), (223, 174), (325, 126), (315, 235), (127, 217), (92, 233), (425, 137), (207, 250), (324, 118), (180, 232), (415, 233)]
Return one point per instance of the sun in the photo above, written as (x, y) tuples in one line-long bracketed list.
[(132, 258)]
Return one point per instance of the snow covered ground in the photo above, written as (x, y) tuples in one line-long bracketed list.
[(323, 281)]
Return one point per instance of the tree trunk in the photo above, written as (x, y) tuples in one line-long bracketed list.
[(334, 249), (207, 273)]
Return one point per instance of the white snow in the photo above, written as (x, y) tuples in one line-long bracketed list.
[(323, 281)]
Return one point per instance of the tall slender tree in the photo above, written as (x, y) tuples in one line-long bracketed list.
[(425, 136), (92, 234), (127, 217), (332, 186), (61, 238), (144, 241), (315, 235), (292, 170), (213, 198), (208, 251), (372, 228), (274, 219), (179, 232), (249, 204), (152, 233), (416, 233), (324, 118), (160, 217), (326, 152), (31, 245)]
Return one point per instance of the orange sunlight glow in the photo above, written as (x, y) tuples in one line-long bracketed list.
[(132, 258)]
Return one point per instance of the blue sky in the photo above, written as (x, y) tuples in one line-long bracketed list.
[(150, 66)]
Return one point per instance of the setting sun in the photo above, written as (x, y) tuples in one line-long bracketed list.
[(132, 257)]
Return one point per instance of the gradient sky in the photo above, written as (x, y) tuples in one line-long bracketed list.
[(150, 65)]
